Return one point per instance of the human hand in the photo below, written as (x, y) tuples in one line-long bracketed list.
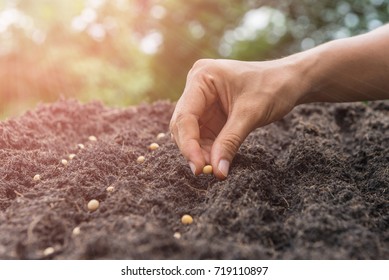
[(223, 101)]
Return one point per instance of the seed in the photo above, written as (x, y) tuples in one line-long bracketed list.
[(186, 219), (161, 135), (37, 177), (72, 156), (140, 159), (110, 189), (92, 138), (153, 146), (177, 235), (207, 169), (81, 146), (93, 205), (76, 231), (64, 162), (48, 251)]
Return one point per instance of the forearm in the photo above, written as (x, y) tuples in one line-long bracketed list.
[(351, 69)]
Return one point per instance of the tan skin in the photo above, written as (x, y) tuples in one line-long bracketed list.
[(224, 100)]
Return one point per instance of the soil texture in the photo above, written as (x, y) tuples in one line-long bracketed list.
[(314, 185)]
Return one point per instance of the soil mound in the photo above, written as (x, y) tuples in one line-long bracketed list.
[(314, 185)]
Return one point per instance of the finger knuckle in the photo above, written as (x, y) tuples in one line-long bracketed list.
[(202, 67), (180, 118), (231, 143), (202, 62)]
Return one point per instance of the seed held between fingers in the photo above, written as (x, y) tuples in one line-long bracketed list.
[(207, 169)]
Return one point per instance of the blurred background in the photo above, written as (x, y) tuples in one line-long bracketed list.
[(125, 52)]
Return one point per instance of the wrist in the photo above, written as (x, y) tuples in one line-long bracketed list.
[(310, 73), (303, 83)]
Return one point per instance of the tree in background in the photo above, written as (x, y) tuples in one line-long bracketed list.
[(125, 52)]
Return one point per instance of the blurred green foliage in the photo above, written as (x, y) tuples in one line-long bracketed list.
[(130, 51)]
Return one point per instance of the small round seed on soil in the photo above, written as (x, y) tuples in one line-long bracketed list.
[(140, 159), (37, 177), (92, 138), (110, 189), (177, 235), (93, 205), (48, 251), (186, 219), (64, 162), (76, 231), (72, 156), (207, 169), (161, 135), (153, 146), (81, 146)]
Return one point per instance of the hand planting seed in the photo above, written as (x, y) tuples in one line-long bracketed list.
[(93, 205), (92, 138), (81, 146), (48, 251), (153, 146), (186, 219), (64, 162), (72, 156), (37, 177), (161, 135), (140, 159), (110, 189), (207, 169)]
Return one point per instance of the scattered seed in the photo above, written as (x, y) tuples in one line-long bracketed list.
[(92, 138), (110, 189), (177, 235), (140, 159), (81, 146), (186, 219), (64, 162), (76, 231), (153, 146), (93, 205), (37, 177), (161, 135), (207, 169), (48, 251), (72, 156)]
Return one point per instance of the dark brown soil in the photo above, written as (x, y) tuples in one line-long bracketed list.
[(312, 186)]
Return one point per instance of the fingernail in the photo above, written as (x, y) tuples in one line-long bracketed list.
[(192, 167), (224, 166)]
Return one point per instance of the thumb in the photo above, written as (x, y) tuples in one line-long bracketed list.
[(227, 144)]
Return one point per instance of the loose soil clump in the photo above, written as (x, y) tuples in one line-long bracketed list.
[(314, 185)]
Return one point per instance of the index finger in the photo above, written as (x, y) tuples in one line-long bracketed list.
[(197, 97)]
